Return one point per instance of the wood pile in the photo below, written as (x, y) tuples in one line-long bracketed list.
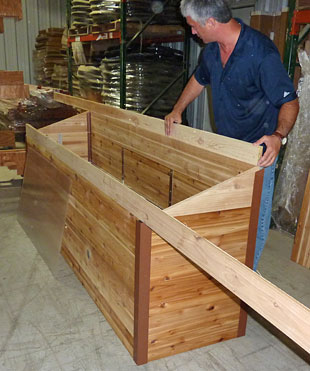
[(49, 52)]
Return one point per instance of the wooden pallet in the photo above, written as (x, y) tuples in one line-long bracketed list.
[(302, 4)]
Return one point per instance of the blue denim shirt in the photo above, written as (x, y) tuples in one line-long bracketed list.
[(248, 92)]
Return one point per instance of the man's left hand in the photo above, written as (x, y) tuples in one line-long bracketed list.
[(273, 144)]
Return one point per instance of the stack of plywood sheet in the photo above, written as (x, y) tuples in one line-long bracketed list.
[(48, 53)]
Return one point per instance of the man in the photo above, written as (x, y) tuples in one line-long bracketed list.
[(253, 98)]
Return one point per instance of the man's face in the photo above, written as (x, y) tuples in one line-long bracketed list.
[(203, 32)]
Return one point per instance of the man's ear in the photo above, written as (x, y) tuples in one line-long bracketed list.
[(211, 22)]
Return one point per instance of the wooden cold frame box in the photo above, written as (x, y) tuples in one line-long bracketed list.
[(136, 197)]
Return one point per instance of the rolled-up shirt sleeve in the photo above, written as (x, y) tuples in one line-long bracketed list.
[(202, 74), (275, 82)]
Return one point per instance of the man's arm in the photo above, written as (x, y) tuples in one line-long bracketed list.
[(190, 92), (286, 120)]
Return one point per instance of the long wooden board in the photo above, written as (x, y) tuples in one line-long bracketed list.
[(301, 248), (241, 151), (283, 311)]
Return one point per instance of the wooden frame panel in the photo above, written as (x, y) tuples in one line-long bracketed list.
[(276, 306), (142, 292)]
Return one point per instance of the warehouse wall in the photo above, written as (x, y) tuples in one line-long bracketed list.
[(18, 40)]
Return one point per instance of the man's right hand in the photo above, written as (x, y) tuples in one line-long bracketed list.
[(173, 117)]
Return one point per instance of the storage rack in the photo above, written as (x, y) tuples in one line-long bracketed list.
[(121, 35), (297, 17)]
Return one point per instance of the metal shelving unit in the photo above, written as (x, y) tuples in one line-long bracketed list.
[(296, 19), (121, 35)]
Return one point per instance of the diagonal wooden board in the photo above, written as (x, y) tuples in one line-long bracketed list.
[(287, 314)]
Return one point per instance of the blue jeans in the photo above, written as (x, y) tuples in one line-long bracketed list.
[(264, 212)]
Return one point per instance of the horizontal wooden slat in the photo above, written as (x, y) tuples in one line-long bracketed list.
[(184, 187), (98, 260), (276, 306), (148, 178), (120, 222), (107, 155)]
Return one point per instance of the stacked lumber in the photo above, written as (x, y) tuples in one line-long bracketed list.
[(302, 4), (12, 85), (60, 71), (48, 54)]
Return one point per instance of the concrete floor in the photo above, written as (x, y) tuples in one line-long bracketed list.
[(48, 322)]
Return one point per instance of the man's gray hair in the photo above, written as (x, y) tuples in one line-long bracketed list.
[(201, 10)]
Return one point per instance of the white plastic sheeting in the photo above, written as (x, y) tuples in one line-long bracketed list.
[(296, 163), (18, 40)]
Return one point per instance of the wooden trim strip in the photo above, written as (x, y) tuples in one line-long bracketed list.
[(142, 292), (283, 311), (250, 252), (301, 248), (89, 138), (233, 148)]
